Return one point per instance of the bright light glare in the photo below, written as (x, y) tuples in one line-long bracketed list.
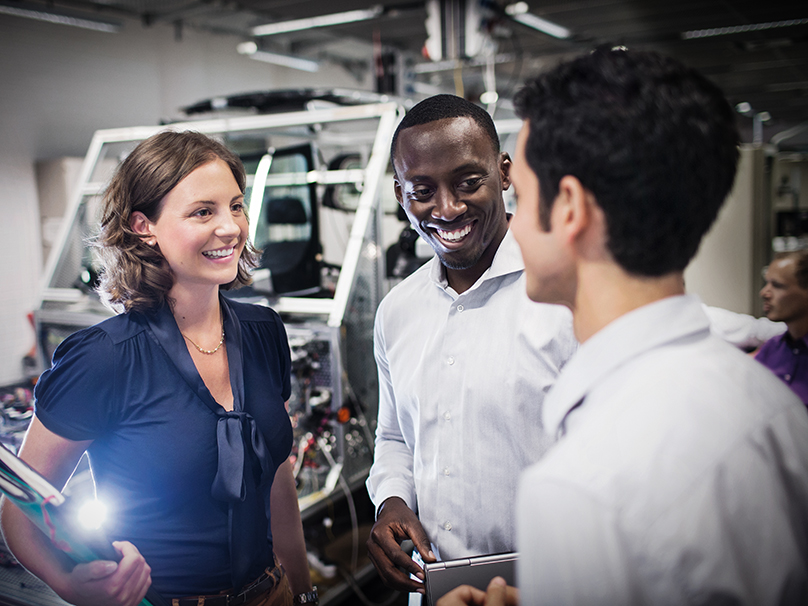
[(295, 25), (542, 25), (743, 107), (92, 514), (517, 9), (489, 96), (372, 251), (247, 48)]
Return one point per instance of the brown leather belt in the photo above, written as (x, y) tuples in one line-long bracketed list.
[(262, 584)]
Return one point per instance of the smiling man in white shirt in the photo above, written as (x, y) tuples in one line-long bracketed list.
[(464, 357)]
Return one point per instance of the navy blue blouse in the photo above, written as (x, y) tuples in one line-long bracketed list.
[(170, 463)]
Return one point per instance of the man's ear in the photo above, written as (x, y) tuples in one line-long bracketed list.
[(505, 170), (397, 189), (573, 206)]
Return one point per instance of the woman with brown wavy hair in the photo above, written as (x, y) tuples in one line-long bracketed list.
[(178, 400)]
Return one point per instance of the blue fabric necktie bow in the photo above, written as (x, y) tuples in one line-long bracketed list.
[(231, 430)]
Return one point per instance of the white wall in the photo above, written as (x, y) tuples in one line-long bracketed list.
[(60, 84), (723, 272)]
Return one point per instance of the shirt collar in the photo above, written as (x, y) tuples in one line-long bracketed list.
[(641, 330), (507, 260), (790, 342)]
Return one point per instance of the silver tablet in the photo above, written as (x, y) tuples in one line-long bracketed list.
[(441, 577)]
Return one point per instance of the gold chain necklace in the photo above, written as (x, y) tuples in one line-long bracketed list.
[(206, 351)]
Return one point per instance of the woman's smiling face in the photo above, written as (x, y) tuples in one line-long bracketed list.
[(202, 227)]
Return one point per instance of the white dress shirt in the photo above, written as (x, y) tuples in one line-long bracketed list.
[(461, 384), (680, 475)]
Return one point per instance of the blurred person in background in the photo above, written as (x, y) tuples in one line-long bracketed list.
[(785, 299)]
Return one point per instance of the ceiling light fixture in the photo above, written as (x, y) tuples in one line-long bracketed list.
[(519, 12), (488, 97), (758, 118), (740, 29), (38, 14), (442, 66), (251, 50), (296, 25), (743, 108)]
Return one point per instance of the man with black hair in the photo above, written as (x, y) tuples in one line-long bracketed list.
[(464, 357), (680, 474)]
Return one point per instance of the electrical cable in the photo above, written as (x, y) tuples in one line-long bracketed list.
[(326, 450)]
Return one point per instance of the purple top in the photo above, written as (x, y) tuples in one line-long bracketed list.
[(788, 359)]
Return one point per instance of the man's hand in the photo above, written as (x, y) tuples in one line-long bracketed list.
[(122, 583), (396, 523), (498, 594)]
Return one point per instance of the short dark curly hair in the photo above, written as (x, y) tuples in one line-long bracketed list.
[(134, 275), (440, 107), (653, 140)]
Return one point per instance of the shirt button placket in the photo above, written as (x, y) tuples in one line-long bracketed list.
[(446, 471)]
